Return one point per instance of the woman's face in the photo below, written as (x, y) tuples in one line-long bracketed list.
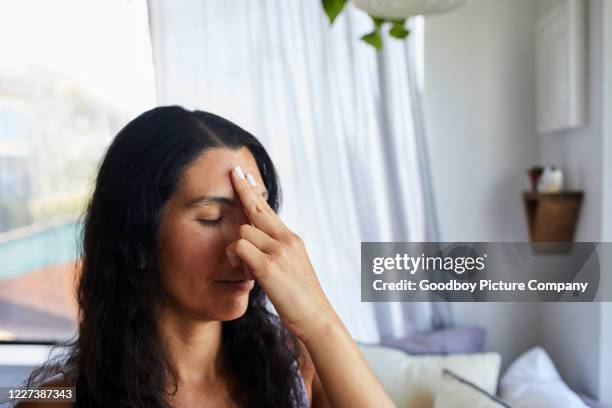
[(199, 220)]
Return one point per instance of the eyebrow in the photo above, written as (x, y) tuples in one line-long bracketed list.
[(207, 200)]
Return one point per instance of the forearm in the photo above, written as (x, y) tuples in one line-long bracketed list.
[(278, 260), (347, 379)]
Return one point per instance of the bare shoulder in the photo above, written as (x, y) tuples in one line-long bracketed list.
[(314, 387), (307, 368), (57, 381)]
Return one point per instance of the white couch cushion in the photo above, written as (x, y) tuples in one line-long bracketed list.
[(532, 380), (458, 392), (412, 381)]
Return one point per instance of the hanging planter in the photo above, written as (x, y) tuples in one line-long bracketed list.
[(390, 13)]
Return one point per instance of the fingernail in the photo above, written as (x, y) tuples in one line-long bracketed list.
[(238, 171), (251, 180), (233, 260)]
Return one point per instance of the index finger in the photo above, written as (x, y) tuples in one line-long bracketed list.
[(255, 206)]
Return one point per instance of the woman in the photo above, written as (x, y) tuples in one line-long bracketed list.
[(181, 248)]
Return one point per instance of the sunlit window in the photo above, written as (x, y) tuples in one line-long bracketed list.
[(72, 73)]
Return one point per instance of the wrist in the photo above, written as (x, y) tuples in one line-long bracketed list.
[(325, 328)]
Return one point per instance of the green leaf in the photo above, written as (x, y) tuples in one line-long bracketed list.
[(398, 30), (378, 22), (333, 8), (374, 39)]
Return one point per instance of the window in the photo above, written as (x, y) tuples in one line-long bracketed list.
[(72, 73)]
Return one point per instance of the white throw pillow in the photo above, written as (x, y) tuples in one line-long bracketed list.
[(532, 380), (413, 381), (458, 392)]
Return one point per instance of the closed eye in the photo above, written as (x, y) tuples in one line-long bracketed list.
[(210, 222)]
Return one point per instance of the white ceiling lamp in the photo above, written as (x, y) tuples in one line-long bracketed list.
[(393, 13), (401, 9)]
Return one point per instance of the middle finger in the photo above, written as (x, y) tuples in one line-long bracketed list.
[(256, 207)]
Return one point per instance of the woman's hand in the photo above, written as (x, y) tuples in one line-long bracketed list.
[(277, 259)]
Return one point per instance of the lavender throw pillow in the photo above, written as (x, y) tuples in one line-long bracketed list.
[(468, 339)]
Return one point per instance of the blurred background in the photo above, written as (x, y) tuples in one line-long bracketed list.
[(427, 139)]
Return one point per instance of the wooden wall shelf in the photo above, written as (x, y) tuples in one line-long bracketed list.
[(552, 217)]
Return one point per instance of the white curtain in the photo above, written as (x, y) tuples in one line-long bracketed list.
[(340, 122)]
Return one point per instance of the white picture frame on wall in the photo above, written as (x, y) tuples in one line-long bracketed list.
[(561, 67)]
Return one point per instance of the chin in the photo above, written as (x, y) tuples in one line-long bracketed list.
[(232, 309)]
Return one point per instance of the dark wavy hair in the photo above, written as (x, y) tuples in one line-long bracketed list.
[(117, 359)]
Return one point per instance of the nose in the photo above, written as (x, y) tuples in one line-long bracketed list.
[(234, 220)]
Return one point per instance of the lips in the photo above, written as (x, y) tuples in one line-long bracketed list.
[(239, 284)]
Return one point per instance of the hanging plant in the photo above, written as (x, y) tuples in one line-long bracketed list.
[(397, 27), (391, 14)]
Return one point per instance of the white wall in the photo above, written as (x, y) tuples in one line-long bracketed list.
[(606, 311), (479, 108), (571, 332), (480, 118)]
